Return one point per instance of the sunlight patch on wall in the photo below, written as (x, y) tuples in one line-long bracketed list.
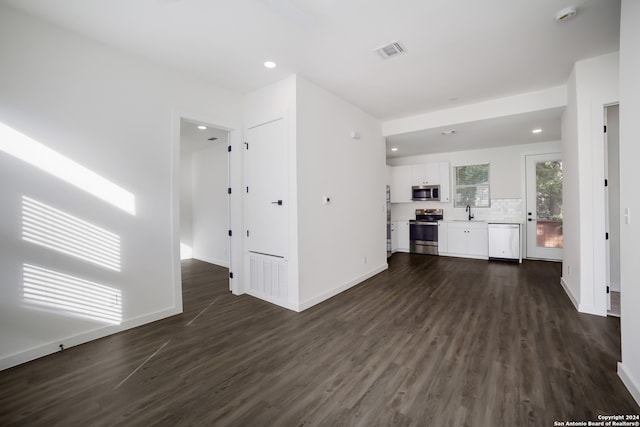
[(71, 295), (57, 230), (26, 149), (186, 251)]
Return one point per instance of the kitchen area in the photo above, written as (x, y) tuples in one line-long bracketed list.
[(489, 189), (428, 216)]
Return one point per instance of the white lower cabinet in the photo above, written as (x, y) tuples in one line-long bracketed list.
[(403, 236), (394, 236), (399, 236), (464, 239), (478, 241), (443, 239)]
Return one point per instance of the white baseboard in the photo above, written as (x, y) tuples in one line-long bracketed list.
[(72, 341), (482, 257), (569, 294), (335, 291), (268, 298), (633, 385), (582, 308)]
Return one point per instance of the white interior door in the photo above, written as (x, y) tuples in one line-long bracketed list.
[(612, 200), (266, 188), (544, 206), (607, 247)]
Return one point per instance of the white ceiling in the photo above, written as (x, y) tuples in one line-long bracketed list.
[(193, 139), (469, 50), (500, 132)]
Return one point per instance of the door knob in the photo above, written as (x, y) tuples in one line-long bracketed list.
[(277, 202)]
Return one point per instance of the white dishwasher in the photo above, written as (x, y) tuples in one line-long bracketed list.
[(504, 242)]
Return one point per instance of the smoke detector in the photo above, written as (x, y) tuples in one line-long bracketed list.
[(566, 14), (390, 50)]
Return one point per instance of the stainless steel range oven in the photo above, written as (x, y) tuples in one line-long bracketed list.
[(423, 231)]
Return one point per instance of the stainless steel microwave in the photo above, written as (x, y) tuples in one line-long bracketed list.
[(425, 193)]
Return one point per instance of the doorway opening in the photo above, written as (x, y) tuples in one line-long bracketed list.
[(612, 207), (544, 206), (204, 200)]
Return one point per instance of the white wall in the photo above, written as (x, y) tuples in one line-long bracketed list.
[(506, 178), (343, 242), (186, 204), (629, 368), (112, 113), (210, 204), (572, 253), (596, 85)]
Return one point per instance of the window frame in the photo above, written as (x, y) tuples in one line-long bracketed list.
[(457, 185)]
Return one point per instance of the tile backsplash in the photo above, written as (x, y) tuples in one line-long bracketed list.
[(501, 209)]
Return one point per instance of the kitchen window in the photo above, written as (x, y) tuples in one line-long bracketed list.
[(472, 186)]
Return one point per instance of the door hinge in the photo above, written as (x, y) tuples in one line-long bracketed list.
[(229, 190), (247, 189), (605, 128), (606, 182), (246, 145), (229, 148), (230, 275), (606, 236), (247, 233), (608, 291), (230, 233)]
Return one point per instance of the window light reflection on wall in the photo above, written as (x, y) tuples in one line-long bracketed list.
[(71, 295), (24, 148), (57, 230)]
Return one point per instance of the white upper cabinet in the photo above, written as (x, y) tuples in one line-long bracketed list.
[(425, 174), (402, 178), (400, 184)]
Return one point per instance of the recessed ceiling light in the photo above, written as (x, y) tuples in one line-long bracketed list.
[(270, 64), (447, 132), (202, 127), (566, 14), (536, 131), (394, 149)]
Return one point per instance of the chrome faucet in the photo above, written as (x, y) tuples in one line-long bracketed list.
[(468, 209)]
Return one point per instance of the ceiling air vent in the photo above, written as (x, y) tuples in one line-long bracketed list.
[(390, 50)]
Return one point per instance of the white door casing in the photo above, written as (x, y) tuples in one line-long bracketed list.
[(266, 188), (534, 250)]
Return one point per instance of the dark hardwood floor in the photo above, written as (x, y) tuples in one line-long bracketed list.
[(432, 341)]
